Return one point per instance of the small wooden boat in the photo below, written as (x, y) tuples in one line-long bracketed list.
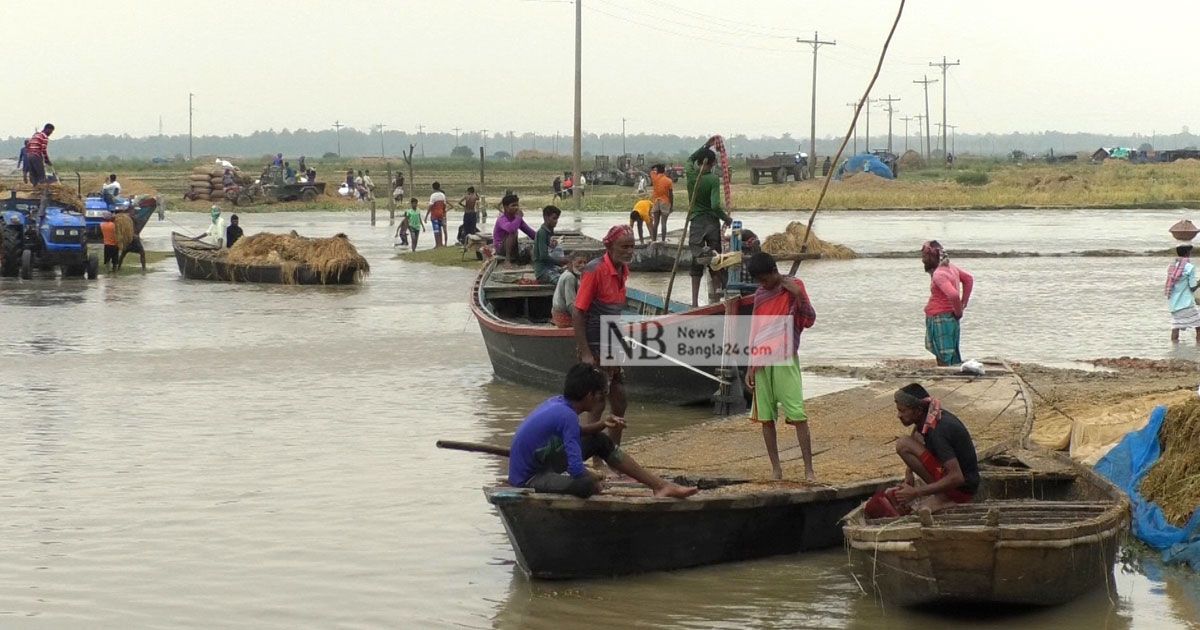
[(525, 348), (199, 260), (651, 256), (1043, 530), (740, 514)]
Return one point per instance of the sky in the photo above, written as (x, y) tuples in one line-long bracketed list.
[(666, 66)]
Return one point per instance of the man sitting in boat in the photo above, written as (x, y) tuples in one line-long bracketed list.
[(504, 231), (550, 446), (602, 292), (939, 451)]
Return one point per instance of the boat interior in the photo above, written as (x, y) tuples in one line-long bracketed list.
[(515, 295)]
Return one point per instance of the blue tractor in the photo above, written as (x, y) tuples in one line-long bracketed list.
[(94, 209), (59, 239)]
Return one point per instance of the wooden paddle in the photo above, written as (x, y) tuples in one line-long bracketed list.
[(473, 447)]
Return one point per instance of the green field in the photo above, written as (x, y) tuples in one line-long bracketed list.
[(970, 184)]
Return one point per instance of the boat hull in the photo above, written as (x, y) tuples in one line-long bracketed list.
[(200, 261)]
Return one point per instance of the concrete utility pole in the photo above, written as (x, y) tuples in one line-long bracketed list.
[(867, 142), (456, 130), (337, 125), (421, 139), (945, 65), (906, 119), (816, 43), (577, 145), (890, 110), (190, 95), (952, 128), (623, 151), (853, 107), (483, 138), (925, 81), (380, 125), (512, 150)]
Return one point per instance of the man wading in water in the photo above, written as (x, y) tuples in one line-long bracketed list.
[(939, 451), (944, 310), (602, 292), (550, 446)]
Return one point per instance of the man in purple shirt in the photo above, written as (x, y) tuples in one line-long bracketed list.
[(550, 446), (504, 234)]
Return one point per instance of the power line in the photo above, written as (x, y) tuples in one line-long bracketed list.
[(816, 43), (707, 35), (890, 110), (944, 65), (925, 81)]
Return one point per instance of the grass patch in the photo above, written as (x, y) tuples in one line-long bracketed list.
[(133, 265), (971, 178), (450, 256)]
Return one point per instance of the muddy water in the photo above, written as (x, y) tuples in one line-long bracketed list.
[(195, 455)]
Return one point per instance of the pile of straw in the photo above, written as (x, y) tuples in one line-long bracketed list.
[(1174, 481), (791, 240), (125, 230), (60, 195), (329, 257), (911, 160)]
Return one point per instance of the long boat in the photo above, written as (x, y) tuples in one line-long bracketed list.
[(199, 260), (740, 514), (652, 256), (514, 316), (1043, 530)]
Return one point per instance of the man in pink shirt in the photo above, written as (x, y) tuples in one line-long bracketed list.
[(949, 292)]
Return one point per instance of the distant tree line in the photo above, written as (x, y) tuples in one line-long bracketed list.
[(356, 143)]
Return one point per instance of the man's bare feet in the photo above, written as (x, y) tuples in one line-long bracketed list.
[(675, 491), (810, 476), (777, 473)]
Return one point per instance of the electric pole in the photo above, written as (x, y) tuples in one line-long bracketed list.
[(952, 128), (337, 125), (190, 95), (160, 126), (853, 108), (512, 151), (890, 110), (577, 146), (816, 43), (380, 125), (906, 119), (925, 81), (421, 139), (623, 151), (483, 138), (945, 65), (868, 138), (456, 130)]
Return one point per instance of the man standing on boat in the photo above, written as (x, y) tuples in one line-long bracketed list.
[(1181, 282), (662, 194), (550, 447), (944, 310), (939, 451), (602, 292), (707, 216)]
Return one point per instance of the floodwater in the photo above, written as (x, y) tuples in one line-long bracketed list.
[(196, 455)]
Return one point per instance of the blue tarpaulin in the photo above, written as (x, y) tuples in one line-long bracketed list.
[(864, 162), (1126, 465)]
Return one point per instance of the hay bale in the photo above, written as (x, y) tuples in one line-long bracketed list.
[(791, 241), (1174, 481), (911, 160), (125, 230), (329, 257)]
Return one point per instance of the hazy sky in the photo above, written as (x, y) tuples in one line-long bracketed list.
[(670, 66)]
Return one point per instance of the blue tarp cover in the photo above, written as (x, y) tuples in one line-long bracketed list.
[(864, 162), (1126, 465)]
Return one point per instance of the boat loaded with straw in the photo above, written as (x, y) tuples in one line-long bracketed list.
[(272, 258)]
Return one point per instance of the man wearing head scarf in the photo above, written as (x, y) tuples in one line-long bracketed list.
[(939, 451), (949, 292), (1181, 282), (602, 292), (216, 229)]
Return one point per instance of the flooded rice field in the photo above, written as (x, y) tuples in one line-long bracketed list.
[(185, 454)]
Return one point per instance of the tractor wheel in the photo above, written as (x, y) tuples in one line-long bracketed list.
[(308, 194), (779, 176), (754, 177), (26, 264), (10, 256), (93, 267)]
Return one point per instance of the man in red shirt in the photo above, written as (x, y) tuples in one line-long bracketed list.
[(37, 155), (602, 292), (944, 310)]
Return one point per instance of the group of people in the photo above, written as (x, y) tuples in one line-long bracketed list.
[(652, 212), (412, 223), (563, 187), (220, 234)]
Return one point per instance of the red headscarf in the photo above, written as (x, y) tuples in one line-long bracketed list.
[(615, 233)]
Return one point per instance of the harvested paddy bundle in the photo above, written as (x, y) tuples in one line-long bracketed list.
[(60, 195), (911, 160), (791, 240), (328, 257), (124, 230), (1174, 480)]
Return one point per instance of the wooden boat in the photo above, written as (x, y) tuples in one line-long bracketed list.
[(740, 514), (199, 260), (651, 256), (526, 348), (1043, 530)]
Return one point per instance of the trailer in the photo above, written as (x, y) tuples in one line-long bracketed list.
[(778, 167)]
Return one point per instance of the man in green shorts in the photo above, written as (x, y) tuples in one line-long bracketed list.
[(781, 312)]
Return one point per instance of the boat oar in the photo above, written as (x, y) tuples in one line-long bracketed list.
[(473, 447)]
